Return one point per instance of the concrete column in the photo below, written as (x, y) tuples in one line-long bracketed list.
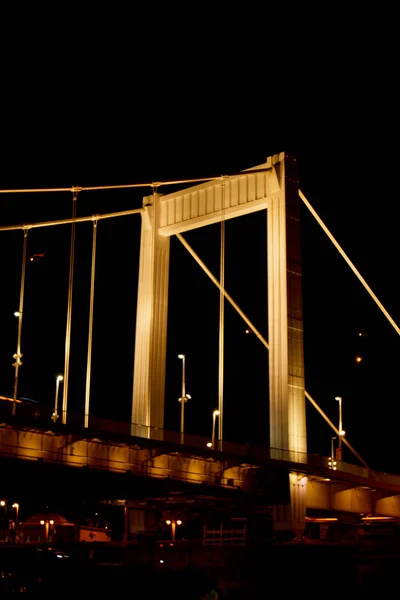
[(285, 317), (289, 519), (151, 326)]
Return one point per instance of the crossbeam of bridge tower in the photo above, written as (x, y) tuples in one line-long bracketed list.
[(272, 187)]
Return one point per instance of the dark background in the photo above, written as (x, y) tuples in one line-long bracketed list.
[(104, 105)]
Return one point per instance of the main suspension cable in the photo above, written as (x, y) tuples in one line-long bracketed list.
[(351, 265), (133, 185)]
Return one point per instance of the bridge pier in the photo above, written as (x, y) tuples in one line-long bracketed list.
[(289, 519), (388, 506)]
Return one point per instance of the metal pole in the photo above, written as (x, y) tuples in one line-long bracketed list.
[(339, 399), (69, 312), (16, 508), (333, 448), (56, 399), (18, 354), (55, 413), (221, 319), (173, 529), (183, 396), (213, 430), (89, 354)]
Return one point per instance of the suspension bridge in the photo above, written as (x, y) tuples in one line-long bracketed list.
[(143, 446)]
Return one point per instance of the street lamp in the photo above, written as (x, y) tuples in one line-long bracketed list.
[(341, 431), (18, 355), (18, 362), (54, 416), (184, 396), (47, 524), (173, 524), (215, 415), (16, 508), (332, 461)]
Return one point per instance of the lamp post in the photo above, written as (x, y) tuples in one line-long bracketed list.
[(15, 506), (215, 415), (54, 416), (47, 528), (18, 355), (332, 461), (184, 396), (18, 362), (341, 431), (173, 524)]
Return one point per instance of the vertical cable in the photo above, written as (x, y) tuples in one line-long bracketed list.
[(69, 311), (221, 318), (89, 352), (18, 354)]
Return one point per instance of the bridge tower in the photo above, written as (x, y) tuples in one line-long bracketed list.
[(272, 186)]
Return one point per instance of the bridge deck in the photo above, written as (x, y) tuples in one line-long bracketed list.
[(107, 445)]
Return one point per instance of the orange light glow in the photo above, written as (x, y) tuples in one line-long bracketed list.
[(42, 522), (358, 359), (321, 520), (179, 522), (377, 519), (168, 522), (9, 399)]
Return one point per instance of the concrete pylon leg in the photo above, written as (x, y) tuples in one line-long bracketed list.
[(289, 519), (288, 437), (151, 326)]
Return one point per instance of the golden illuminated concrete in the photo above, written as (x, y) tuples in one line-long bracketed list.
[(388, 506), (291, 517), (272, 186), (151, 324), (201, 205), (275, 189), (306, 490), (285, 316)]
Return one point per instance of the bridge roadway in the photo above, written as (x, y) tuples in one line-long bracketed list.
[(107, 446)]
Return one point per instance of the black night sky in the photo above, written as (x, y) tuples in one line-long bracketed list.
[(113, 116)]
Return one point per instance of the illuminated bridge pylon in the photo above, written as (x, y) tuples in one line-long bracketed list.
[(273, 187)]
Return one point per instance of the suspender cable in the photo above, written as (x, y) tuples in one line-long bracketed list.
[(18, 355), (69, 310), (89, 352), (221, 319), (346, 258), (227, 296)]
